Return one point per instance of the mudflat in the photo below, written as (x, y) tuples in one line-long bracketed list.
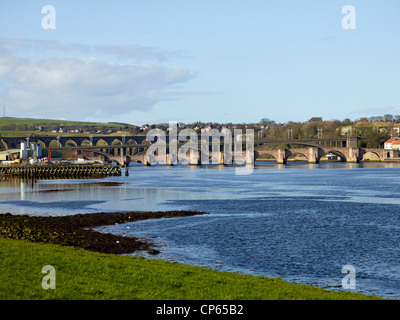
[(76, 230)]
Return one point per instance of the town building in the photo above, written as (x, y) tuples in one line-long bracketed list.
[(315, 119), (388, 145), (396, 145), (396, 129), (207, 128)]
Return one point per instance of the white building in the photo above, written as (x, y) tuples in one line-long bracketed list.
[(388, 143)]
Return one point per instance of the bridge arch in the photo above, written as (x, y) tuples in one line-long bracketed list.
[(293, 156), (131, 141), (102, 142), (143, 149), (371, 156), (336, 153), (41, 143), (116, 141), (70, 143), (116, 151), (86, 143), (264, 156), (54, 144), (132, 150)]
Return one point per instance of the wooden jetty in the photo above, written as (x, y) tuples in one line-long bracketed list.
[(66, 171)]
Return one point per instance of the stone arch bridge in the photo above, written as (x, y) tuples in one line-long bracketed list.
[(125, 149), (314, 154)]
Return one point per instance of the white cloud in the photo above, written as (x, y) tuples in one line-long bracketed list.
[(71, 87), (134, 52)]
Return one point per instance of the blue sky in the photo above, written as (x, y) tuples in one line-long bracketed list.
[(224, 61)]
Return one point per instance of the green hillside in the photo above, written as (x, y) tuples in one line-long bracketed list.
[(37, 122), (29, 126)]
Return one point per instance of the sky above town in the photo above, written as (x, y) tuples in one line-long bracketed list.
[(212, 61)]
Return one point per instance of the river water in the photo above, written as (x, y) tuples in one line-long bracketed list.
[(300, 222)]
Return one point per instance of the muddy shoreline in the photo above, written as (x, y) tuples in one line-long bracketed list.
[(75, 230)]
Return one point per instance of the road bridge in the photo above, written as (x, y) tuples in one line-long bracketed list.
[(98, 141), (125, 149)]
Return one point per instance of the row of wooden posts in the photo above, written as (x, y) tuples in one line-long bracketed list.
[(61, 171)]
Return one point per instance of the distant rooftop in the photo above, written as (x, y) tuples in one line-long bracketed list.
[(315, 119), (392, 139)]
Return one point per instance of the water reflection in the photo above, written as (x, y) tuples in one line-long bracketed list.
[(153, 188)]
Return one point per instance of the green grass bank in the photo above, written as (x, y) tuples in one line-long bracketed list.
[(87, 275)]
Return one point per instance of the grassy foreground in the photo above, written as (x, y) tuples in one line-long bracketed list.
[(84, 275)]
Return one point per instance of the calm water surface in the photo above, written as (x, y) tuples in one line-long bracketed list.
[(299, 222)]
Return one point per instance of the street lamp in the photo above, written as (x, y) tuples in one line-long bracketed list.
[(290, 134), (320, 133)]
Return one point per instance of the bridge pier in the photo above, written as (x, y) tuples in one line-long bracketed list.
[(217, 158), (313, 155), (281, 156), (194, 158), (353, 155), (171, 159), (249, 157)]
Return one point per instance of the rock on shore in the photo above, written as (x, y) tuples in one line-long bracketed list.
[(75, 230)]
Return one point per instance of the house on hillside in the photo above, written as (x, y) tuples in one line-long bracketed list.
[(315, 119), (208, 128), (396, 145), (396, 129), (388, 145)]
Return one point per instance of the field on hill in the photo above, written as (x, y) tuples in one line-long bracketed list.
[(17, 127)]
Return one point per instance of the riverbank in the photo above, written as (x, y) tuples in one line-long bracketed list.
[(75, 230), (87, 275), (89, 265)]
